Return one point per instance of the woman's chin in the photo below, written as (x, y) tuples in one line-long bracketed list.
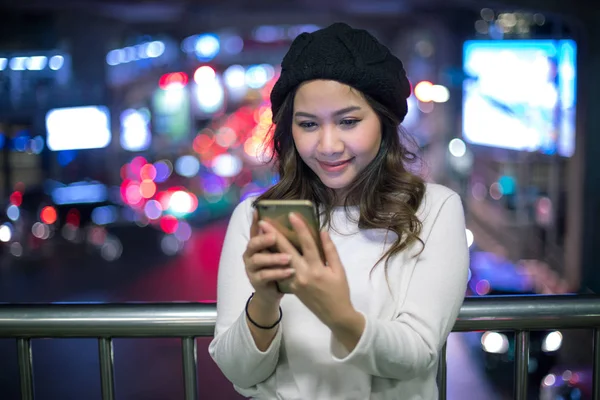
[(335, 184)]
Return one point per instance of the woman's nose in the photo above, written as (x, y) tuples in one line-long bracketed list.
[(329, 141)]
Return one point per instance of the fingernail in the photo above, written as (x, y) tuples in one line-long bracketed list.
[(290, 271), (286, 258)]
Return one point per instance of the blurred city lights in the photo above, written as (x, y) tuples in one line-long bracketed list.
[(148, 172), (170, 245), (426, 92), (227, 165), (204, 74), (202, 143), (16, 249), (153, 209), (494, 342), (258, 75), (495, 191), (173, 80), (141, 51), (207, 46), (5, 233), (226, 137), (65, 125), (163, 170), (470, 237), (56, 62), (169, 224), (235, 76), (36, 63), (147, 188), (73, 217), (16, 198), (104, 215), (422, 91), (133, 194), (135, 130), (79, 192), (182, 202), (48, 215), (208, 91), (12, 212), (111, 249), (187, 166), (184, 231), (40, 231), (457, 147), (233, 44), (552, 342)]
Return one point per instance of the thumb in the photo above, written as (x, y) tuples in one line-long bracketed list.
[(331, 255)]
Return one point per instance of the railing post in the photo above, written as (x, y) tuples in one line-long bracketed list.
[(596, 366), (190, 374), (442, 374), (107, 376), (25, 368), (521, 364)]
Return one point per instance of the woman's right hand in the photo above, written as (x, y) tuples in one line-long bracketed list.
[(263, 267)]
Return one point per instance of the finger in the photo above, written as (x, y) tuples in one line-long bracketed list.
[(260, 242), (281, 242), (280, 227), (310, 250), (267, 275), (331, 254), (268, 260), (254, 226)]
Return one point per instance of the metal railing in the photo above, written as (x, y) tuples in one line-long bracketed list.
[(190, 320)]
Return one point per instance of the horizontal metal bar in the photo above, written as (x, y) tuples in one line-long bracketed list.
[(529, 312), (198, 319), (108, 320)]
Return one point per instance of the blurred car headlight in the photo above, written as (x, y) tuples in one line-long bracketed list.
[(552, 342), (494, 342), (5, 233)]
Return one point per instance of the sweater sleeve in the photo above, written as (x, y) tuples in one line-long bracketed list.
[(233, 348), (408, 346)]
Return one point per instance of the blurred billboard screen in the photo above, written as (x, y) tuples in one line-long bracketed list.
[(171, 112), (77, 128), (520, 95)]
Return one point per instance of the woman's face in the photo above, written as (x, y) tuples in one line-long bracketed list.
[(335, 130)]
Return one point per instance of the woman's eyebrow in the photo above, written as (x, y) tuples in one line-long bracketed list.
[(335, 113)]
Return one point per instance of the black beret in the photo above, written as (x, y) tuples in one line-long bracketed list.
[(347, 55)]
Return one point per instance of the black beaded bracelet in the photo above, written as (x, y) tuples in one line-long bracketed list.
[(258, 325)]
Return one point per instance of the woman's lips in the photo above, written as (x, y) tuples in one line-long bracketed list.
[(334, 166)]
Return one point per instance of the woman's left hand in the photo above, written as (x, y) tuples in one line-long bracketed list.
[(321, 285)]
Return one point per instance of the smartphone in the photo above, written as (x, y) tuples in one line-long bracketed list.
[(276, 212)]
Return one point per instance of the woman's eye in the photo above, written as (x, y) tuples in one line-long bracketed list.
[(349, 122), (307, 125)]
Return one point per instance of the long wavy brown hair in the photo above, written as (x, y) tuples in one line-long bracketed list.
[(387, 193)]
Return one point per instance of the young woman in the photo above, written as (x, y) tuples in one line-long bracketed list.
[(369, 322)]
